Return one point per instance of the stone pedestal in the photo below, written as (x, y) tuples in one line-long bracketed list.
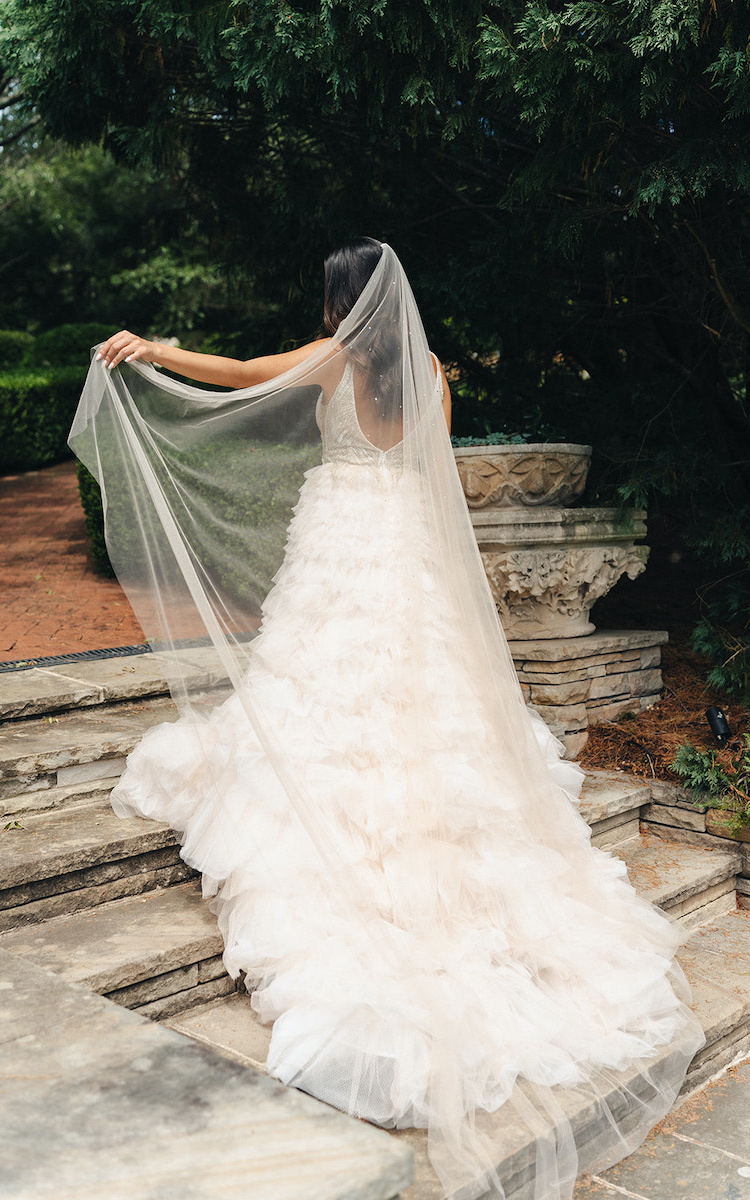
[(575, 682), (548, 566)]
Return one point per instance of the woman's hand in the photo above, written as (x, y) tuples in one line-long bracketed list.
[(126, 347)]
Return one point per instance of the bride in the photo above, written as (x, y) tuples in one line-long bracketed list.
[(388, 835)]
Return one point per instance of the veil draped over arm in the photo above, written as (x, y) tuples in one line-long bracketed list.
[(198, 489)]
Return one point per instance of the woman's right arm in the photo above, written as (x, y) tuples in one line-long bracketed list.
[(205, 368)]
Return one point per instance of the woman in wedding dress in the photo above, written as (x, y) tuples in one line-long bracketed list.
[(389, 837)]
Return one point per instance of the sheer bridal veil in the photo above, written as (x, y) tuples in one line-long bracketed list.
[(535, 1020)]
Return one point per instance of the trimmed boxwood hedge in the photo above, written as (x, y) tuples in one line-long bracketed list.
[(243, 566), (41, 377), (36, 411), (91, 501), (67, 345), (15, 345)]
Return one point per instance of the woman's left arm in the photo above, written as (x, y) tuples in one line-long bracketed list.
[(205, 368)]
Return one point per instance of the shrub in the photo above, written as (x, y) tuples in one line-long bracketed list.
[(15, 344), (66, 345), (36, 411), (91, 501), (720, 782), (243, 566), (492, 439)]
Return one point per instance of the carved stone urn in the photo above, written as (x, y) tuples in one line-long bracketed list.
[(547, 562), (532, 474)]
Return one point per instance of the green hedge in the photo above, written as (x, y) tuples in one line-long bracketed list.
[(91, 501), (244, 567), (36, 411), (15, 345), (67, 345), (41, 377)]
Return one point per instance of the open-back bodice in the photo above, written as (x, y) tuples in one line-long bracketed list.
[(341, 433)]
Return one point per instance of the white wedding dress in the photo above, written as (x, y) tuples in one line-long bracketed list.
[(485, 945)]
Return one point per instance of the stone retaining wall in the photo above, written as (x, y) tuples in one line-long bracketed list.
[(673, 813), (576, 682)]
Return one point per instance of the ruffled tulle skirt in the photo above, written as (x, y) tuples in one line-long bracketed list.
[(428, 958)]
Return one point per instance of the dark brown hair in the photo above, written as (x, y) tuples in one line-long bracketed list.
[(347, 271)]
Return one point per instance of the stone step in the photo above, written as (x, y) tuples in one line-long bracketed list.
[(52, 799), (99, 1104), (89, 683), (75, 746), (611, 803), (716, 960), (691, 884), (62, 861), (158, 952)]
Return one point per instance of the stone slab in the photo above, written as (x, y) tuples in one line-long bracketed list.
[(667, 873), (77, 892), (679, 1168), (25, 693), (39, 746), (88, 772), (606, 793), (609, 710), (180, 1002), (682, 818), (705, 906), (52, 844), (47, 799), (721, 1116), (131, 1109), (125, 941), (609, 686), (674, 796), (559, 693), (603, 642), (689, 837), (720, 953), (566, 718), (614, 830), (645, 683), (528, 674), (231, 1026)]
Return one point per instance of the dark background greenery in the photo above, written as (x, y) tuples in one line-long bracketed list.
[(566, 184)]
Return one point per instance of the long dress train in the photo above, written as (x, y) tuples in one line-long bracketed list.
[(494, 954)]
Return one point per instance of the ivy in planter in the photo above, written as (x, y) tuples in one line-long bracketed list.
[(721, 783)]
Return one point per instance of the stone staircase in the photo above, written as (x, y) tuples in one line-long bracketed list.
[(107, 906)]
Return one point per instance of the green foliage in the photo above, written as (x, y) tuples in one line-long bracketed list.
[(14, 346), (244, 565), (568, 184), (86, 239), (719, 783), (730, 652), (36, 411), (91, 501), (66, 345), (492, 439)]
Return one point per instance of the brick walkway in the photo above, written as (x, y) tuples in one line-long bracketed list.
[(51, 599)]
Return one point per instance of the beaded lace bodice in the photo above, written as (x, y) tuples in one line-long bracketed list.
[(341, 432)]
